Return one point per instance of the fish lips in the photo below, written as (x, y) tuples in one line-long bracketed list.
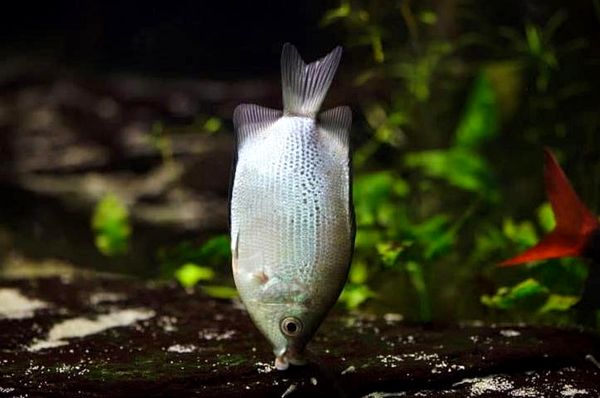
[(290, 355)]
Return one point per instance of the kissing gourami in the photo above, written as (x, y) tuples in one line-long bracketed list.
[(291, 214)]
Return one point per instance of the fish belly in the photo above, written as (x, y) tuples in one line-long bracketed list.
[(290, 217)]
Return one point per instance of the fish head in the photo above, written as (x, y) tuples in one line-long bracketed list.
[(288, 327)]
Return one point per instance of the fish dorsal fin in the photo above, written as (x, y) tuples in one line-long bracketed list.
[(335, 125), (251, 122), (574, 222), (305, 86)]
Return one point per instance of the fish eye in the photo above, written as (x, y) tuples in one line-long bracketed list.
[(291, 326)]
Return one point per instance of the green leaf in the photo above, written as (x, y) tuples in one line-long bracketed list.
[(367, 238), (389, 252), (440, 246), (565, 276), (546, 217), (428, 17), (525, 292), (190, 274), (358, 272), (522, 233), (460, 167), (354, 295), (110, 223), (376, 45), (215, 251), (479, 121), (527, 288), (332, 15), (558, 302), (435, 236), (375, 197), (534, 39), (213, 124), (489, 243), (220, 292)]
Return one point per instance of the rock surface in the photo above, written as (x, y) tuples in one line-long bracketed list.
[(99, 337)]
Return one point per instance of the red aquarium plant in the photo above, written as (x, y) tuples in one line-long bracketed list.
[(577, 231)]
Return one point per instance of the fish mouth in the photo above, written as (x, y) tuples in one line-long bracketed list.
[(290, 356)]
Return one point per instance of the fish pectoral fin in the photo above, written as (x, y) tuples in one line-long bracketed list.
[(335, 130), (235, 240), (252, 121), (274, 289)]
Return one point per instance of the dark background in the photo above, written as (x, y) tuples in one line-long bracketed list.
[(193, 38)]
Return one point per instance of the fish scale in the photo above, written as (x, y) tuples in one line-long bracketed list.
[(288, 203), (292, 227)]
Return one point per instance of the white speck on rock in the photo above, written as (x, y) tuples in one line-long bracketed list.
[(487, 384), (211, 334), (444, 366), (44, 345), (510, 333), (349, 369), (82, 327), (263, 367), (569, 391), (390, 361), (289, 390), (106, 297), (64, 368), (525, 392), (378, 394), (392, 318), (6, 390), (313, 381), (410, 339), (422, 356), (182, 349), (168, 323), (17, 306)]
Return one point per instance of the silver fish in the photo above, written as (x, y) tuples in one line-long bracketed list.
[(291, 213)]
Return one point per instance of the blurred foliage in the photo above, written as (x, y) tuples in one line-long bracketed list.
[(110, 223), (457, 104), (220, 291), (192, 264), (189, 274), (161, 136), (214, 252), (453, 103), (161, 141), (531, 295)]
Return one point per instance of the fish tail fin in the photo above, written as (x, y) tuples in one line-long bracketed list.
[(305, 86), (574, 221)]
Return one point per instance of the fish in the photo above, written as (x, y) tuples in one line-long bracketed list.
[(576, 226), (576, 234), (291, 213)]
